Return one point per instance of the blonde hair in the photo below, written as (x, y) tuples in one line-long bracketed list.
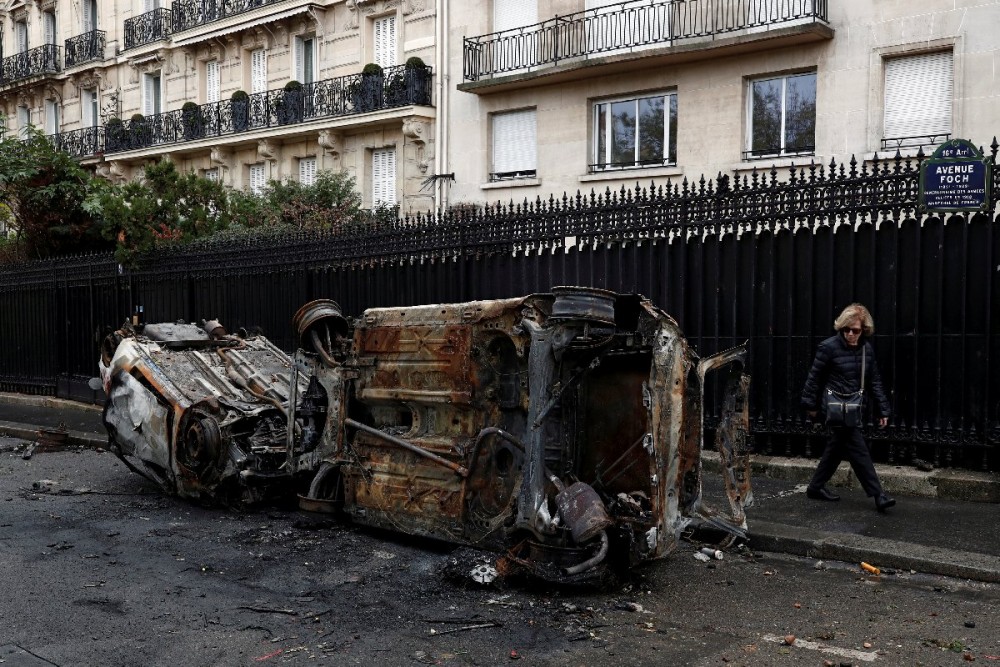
[(855, 311)]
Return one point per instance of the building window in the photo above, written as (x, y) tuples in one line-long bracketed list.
[(49, 27), (514, 145), (212, 81), (384, 177), (638, 132), (23, 121), (152, 94), (782, 116), (385, 41), (258, 71), (89, 106), (21, 35), (307, 170), (51, 117), (258, 179), (508, 14), (305, 59), (211, 174), (89, 15), (918, 99)]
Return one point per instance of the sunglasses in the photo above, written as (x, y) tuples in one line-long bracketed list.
[(852, 330)]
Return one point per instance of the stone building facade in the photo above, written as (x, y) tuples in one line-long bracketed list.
[(121, 83)]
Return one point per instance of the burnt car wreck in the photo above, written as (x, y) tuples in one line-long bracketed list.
[(563, 430)]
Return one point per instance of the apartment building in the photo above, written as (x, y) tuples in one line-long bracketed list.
[(559, 96), (241, 91)]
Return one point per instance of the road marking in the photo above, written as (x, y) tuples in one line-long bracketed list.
[(866, 656)]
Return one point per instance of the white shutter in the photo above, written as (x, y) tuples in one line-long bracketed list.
[(89, 15), (385, 41), (212, 81), (150, 94), (49, 26), (918, 95), (257, 178), (258, 71), (149, 5), (514, 142), (509, 14), (299, 48), (51, 117), (307, 170), (384, 176), (21, 28), (90, 108), (23, 121), (212, 174)]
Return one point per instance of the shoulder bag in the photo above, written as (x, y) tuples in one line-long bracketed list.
[(844, 410)]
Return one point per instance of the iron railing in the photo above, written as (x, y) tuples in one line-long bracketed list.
[(763, 258), (342, 96), (191, 13), (80, 143), (33, 62), (771, 153), (146, 28), (631, 25), (85, 48), (925, 141)]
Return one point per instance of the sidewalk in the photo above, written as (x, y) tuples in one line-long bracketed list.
[(945, 521)]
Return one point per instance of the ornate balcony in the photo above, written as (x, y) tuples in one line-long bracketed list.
[(85, 48), (192, 13), (146, 28), (342, 96), (79, 143), (632, 26), (34, 62)]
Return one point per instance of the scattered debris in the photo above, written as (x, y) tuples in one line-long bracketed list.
[(483, 574), (853, 654), (789, 639), (268, 610), (867, 644), (28, 451), (922, 465), (712, 552), (477, 626), (702, 557), (970, 624)]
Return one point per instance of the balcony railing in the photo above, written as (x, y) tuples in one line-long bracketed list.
[(33, 62), (85, 48), (342, 96), (80, 143), (923, 141), (146, 28), (632, 25), (192, 13)]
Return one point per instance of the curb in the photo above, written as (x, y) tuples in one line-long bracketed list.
[(799, 541), (10, 398), (943, 483), (73, 438)]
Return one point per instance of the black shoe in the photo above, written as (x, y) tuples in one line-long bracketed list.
[(822, 493), (884, 502)]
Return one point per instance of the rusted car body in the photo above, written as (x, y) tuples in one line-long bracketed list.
[(563, 430)]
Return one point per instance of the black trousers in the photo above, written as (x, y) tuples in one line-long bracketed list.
[(850, 444)]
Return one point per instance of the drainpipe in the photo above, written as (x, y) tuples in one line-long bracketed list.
[(438, 130), (443, 57)]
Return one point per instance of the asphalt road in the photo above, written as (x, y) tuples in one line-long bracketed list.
[(98, 568)]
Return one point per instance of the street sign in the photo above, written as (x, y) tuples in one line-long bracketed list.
[(955, 178)]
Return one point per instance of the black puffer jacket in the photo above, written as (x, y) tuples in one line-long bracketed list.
[(838, 366)]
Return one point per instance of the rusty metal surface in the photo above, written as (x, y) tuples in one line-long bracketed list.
[(561, 429)]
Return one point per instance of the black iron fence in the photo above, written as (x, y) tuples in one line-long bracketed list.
[(85, 48), (341, 96), (80, 143), (626, 26), (762, 259), (192, 13), (147, 28), (33, 62)]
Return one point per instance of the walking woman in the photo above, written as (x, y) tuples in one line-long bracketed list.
[(843, 362)]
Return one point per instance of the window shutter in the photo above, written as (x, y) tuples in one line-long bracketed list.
[(88, 108), (49, 21), (307, 170), (385, 41), (89, 15), (212, 174), (299, 48), (918, 95), (258, 71), (51, 117), (147, 95), (257, 179), (384, 176), (22, 36), (149, 5), (23, 121), (212, 81), (509, 14), (514, 141)]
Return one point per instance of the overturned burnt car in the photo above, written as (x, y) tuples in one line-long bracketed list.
[(563, 430)]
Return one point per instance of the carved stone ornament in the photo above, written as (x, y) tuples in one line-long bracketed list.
[(267, 150), (219, 157), (411, 6), (53, 93), (417, 130), (116, 170), (331, 142), (103, 170)]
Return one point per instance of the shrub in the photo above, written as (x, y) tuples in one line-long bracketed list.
[(240, 96), (138, 118), (293, 86), (372, 69), (415, 62), (189, 107)]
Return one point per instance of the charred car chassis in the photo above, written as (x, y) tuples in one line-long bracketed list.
[(563, 429)]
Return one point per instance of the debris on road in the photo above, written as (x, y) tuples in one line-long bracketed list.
[(871, 569)]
